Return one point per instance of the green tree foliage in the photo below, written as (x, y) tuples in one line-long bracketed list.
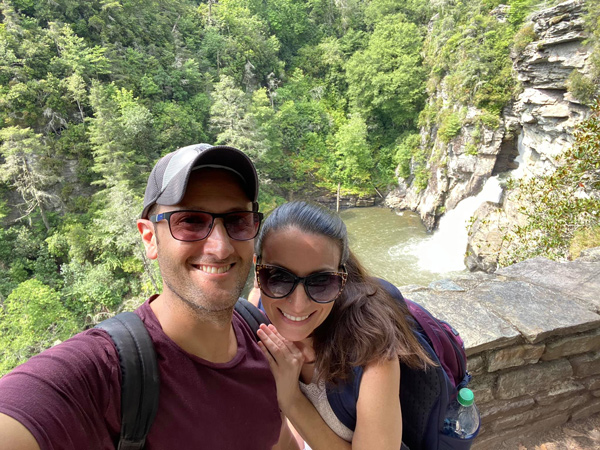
[(386, 79), (232, 121), (121, 134), (22, 150), (31, 319), (353, 158), (239, 42), (320, 93), (562, 208)]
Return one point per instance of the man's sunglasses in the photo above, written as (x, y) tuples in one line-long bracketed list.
[(192, 226), (320, 287)]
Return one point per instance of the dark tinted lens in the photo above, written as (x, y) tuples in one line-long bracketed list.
[(190, 225), (275, 282), (323, 287), (242, 225)]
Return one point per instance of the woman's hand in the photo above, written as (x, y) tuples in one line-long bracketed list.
[(286, 362)]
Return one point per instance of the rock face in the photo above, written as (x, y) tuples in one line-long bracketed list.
[(536, 127), (547, 114)]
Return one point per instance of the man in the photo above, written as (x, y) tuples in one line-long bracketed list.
[(199, 221)]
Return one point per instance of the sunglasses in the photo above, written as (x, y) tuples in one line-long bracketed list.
[(320, 287), (192, 226)]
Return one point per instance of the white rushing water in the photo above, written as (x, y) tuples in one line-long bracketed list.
[(444, 251)]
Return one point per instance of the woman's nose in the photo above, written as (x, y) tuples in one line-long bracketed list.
[(298, 298)]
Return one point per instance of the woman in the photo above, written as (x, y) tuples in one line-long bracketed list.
[(339, 320)]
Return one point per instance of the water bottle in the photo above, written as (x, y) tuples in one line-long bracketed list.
[(462, 417)]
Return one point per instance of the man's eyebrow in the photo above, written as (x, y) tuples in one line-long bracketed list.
[(196, 208)]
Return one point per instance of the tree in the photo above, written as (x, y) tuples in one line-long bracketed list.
[(232, 121), (121, 134), (386, 79), (21, 149), (31, 320), (240, 40), (353, 158)]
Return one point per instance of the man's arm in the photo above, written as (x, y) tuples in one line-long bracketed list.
[(14, 436), (287, 441)]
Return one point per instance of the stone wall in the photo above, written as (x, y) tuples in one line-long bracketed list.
[(532, 335)]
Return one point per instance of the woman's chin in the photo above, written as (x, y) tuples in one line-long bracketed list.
[(291, 335)]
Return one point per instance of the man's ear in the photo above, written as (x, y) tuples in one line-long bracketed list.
[(147, 231)]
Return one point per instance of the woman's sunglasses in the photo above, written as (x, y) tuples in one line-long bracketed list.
[(320, 287)]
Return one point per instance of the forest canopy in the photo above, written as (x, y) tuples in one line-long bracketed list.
[(322, 95)]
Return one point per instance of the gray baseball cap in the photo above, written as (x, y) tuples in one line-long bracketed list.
[(169, 177)]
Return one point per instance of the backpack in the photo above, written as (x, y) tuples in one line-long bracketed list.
[(424, 394), (140, 383)]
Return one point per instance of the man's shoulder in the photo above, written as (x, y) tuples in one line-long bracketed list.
[(92, 348)]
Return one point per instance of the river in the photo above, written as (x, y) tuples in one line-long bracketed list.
[(397, 247)]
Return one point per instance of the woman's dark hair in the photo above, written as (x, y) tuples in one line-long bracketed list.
[(366, 323)]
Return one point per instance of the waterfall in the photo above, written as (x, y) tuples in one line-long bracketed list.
[(520, 159), (445, 250)]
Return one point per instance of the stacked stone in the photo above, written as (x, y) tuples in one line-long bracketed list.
[(532, 336), (526, 388)]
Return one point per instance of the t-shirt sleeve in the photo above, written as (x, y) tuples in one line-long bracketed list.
[(68, 396)]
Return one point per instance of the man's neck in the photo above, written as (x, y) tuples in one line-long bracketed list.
[(209, 336)]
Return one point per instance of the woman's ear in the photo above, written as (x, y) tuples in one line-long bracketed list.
[(146, 229), (254, 259)]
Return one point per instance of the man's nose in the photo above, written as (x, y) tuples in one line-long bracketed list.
[(218, 242)]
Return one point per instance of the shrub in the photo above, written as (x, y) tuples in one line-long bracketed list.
[(582, 87), (408, 147), (450, 127), (32, 319), (523, 38)]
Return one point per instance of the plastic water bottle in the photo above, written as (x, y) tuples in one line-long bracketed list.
[(462, 417)]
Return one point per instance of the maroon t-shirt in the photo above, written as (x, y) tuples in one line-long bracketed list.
[(69, 396)]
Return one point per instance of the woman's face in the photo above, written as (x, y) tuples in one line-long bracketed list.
[(296, 316)]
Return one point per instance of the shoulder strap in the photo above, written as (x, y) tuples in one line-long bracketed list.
[(251, 314), (445, 340), (139, 377)]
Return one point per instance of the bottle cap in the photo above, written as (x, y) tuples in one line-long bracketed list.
[(465, 397)]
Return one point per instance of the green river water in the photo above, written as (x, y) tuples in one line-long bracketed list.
[(396, 246)]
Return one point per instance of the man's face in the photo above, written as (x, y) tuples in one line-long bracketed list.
[(207, 275)]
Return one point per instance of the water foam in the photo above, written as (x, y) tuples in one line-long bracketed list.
[(445, 250)]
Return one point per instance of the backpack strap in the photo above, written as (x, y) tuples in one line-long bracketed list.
[(251, 314), (446, 342), (139, 377), (343, 398)]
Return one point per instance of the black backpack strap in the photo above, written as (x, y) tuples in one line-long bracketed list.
[(139, 377), (251, 314)]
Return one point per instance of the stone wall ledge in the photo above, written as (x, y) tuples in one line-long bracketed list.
[(532, 337)]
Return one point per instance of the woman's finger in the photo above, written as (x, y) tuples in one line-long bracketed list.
[(291, 347), (277, 350)]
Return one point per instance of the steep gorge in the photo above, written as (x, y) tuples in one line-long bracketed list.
[(534, 128)]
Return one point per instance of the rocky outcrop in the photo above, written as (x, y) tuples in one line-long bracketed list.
[(546, 113), (532, 337), (537, 126)]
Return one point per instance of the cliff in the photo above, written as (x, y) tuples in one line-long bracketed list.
[(535, 127)]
